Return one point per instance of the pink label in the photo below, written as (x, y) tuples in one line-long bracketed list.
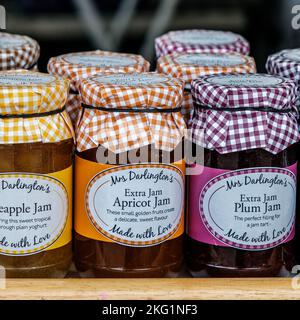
[(248, 209)]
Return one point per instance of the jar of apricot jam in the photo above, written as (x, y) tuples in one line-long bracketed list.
[(129, 198), (242, 201)]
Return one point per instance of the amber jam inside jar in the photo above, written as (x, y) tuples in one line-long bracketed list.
[(37, 158), (228, 261), (109, 259), (242, 195)]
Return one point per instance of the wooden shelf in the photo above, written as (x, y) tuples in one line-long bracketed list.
[(170, 289)]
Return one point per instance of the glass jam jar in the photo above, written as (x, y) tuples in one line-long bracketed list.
[(129, 188), (18, 52), (200, 41), (36, 146), (189, 66), (80, 65), (286, 63), (242, 201)]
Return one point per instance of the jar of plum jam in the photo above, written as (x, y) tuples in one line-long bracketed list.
[(130, 173), (242, 201)]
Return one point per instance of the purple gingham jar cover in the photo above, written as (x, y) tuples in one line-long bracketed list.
[(230, 131), (285, 63), (199, 40)]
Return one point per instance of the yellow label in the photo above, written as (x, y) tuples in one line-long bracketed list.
[(35, 211), (135, 205)]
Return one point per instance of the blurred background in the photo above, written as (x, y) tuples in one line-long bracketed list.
[(62, 26)]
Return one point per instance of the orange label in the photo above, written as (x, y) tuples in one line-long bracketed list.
[(134, 205), (36, 211)]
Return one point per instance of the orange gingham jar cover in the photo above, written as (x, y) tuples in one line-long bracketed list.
[(124, 131), (80, 65), (18, 52), (189, 66)]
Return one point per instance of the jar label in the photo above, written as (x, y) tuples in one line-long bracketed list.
[(25, 79), (35, 212), (7, 42), (198, 37), (245, 80), (135, 205), (134, 79), (210, 60), (97, 60), (248, 209)]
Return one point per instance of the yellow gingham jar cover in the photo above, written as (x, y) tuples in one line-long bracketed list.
[(80, 65), (18, 52), (189, 66), (123, 112), (32, 108)]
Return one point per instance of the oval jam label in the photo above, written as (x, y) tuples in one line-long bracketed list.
[(136, 205), (25, 79), (33, 213), (96, 60), (210, 60), (204, 37), (133, 79), (251, 209), (245, 80)]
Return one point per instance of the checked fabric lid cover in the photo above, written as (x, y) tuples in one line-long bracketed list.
[(256, 127), (198, 40), (121, 131), (18, 52), (24, 93), (285, 63), (80, 65), (189, 66)]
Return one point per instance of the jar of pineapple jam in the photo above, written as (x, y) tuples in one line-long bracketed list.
[(18, 52), (189, 66), (129, 194), (242, 200), (36, 144), (80, 65)]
